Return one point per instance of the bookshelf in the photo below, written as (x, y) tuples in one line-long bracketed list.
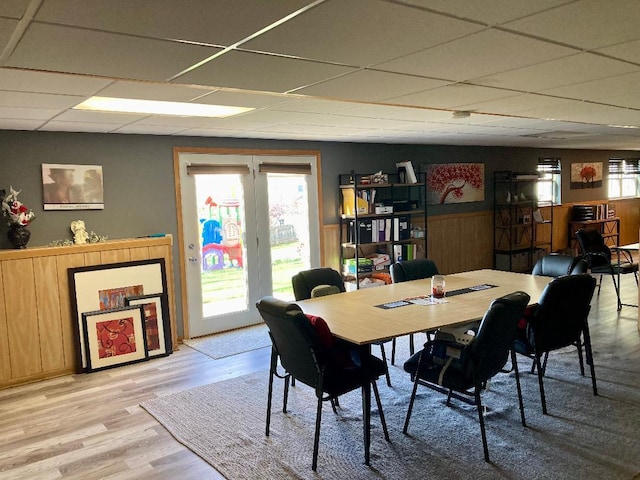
[(522, 232), (380, 223), (601, 217)]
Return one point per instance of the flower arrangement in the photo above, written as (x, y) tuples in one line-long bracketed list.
[(16, 212)]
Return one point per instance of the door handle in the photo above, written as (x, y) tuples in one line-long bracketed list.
[(193, 259)]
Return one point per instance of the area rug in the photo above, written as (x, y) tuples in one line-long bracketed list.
[(232, 342), (583, 436)]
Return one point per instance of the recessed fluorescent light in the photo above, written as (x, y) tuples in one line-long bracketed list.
[(155, 107), (624, 126)]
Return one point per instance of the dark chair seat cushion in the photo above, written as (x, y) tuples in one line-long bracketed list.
[(339, 379), (455, 376)]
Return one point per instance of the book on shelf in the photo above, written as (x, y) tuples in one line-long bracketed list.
[(362, 200), (405, 169)]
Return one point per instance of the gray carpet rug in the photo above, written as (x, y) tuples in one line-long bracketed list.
[(232, 342), (583, 437)]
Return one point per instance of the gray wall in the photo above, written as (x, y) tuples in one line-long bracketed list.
[(139, 183)]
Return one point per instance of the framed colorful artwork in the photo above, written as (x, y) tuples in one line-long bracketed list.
[(72, 187), (105, 287), (586, 175), (156, 322), (455, 183), (114, 337)]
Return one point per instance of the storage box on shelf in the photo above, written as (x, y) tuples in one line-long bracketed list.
[(522, 232), (377, 222)]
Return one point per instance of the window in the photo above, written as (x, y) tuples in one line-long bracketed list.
[(624, 176), (549, 184)]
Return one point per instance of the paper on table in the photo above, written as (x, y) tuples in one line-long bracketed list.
[(426, 300)]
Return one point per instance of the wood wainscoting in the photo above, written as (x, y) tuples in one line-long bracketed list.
[(37, 326), (461, 242), (455, 242)]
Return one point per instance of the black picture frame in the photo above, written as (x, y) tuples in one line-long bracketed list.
[(162, 345), (90, 285)]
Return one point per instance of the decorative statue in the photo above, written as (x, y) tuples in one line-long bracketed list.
[(80, 234)]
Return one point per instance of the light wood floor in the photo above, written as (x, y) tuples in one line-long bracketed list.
[(90, 426)]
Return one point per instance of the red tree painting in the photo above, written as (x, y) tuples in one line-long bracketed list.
[(455, 182)]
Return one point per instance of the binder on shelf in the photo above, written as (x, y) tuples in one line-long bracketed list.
[(351, 202), (397, 253), (409, 173), (364, 231)]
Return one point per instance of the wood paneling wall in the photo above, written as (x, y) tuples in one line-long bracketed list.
[(465, 241), (37, 326)]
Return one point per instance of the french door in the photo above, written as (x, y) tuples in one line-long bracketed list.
[(249, 222)]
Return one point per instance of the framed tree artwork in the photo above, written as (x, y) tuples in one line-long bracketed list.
[(455, 183)]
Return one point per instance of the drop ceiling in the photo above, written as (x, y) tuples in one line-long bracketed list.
[(544, 73)]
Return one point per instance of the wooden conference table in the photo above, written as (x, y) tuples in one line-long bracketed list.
[(358, 318)]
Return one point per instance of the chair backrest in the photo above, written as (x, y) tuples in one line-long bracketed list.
[(592, 247), (305, 281), (562, 311), (413, 270), (294, 338), (489, 350), (556, 265)]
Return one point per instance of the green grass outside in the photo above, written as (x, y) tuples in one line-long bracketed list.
[(228, 283)]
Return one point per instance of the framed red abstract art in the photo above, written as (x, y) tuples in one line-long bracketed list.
[(106, 287), (114, 337), (156, 322)]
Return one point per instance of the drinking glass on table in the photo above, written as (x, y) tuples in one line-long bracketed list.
[(437, 286)]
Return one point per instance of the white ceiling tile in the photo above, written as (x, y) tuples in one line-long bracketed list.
[(452, 96), (149, 129), (629, 51), (360, 32), (7, 26), (17, 124), (55, 83), (483, 53), (57, 126), (555, 73), (152, 91), (417, 114), (587, 24), (38, 100), (242, 99), (98, 117), (19, 113), (13, 8), (64, 49), (491, 12), (369, 85), (268, 73), (220, 22)]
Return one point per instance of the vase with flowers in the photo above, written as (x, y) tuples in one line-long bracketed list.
[(18, 218)]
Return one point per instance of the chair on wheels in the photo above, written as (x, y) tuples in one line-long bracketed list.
[(405, 271), (560, 320), (307, 353), (598, 256), (462, 371), (556, 265), (318, 282)]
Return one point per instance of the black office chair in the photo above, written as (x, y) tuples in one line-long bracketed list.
[(478, 361), (598, 256), (306, 356), (324, 281), (319, 279), (556, 265), (560, 320), (410, 270)]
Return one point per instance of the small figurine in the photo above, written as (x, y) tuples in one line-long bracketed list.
[(80, 234)]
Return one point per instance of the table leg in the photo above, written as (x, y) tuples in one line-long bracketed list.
[(365, 354)]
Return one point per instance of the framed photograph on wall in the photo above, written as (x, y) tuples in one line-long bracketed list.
[(156, 322), (586, 175), (106, 287), (114, 337), (72, 187)]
